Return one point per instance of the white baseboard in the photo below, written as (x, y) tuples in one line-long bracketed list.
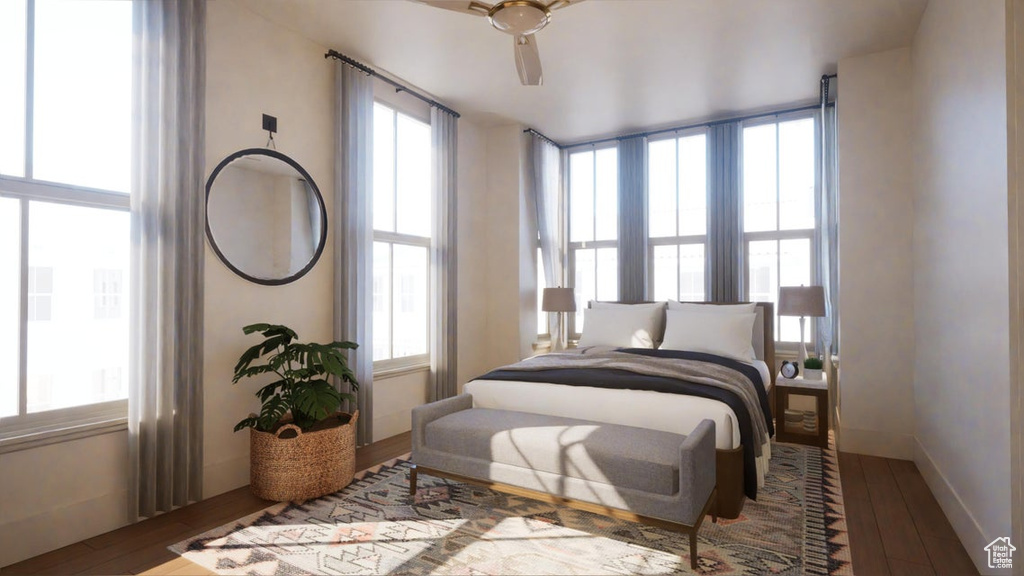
[(963, 522), (876, 443), (39, 534)]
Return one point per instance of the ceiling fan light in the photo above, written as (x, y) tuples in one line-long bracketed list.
[(519, 17)]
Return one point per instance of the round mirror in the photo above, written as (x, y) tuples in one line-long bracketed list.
[(265, 217)]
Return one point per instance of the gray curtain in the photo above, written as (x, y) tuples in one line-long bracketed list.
[(353, 232), (165, 402), (544, 193), (444, 131), (725, 245), (828, 231), (632, 219)]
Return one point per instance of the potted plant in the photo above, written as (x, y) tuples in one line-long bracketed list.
[(300, 445), (812, 368)]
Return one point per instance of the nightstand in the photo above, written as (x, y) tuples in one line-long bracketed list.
[(809, 399)]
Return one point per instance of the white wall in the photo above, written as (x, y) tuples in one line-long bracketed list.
[(876, 276), (255, 67), (961, 294), (60, 494)]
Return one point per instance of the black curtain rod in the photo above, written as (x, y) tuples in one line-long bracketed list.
[(398, 87), (542, 137)]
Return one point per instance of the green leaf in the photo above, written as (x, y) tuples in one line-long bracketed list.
[(272, 411), (270, 389), (246, 423), (317, 398)]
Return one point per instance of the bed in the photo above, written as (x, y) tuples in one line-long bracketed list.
[(629, 385)]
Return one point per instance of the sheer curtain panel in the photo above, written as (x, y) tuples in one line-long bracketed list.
[(444, 129), (353, 236), (724, 236), (632, 219), (545, 190), (165, 410), (828, 229)]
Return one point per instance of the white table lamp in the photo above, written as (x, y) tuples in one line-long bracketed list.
[(802, 301), (558, 300)]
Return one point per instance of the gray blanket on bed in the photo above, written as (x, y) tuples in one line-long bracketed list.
[(679, 369)]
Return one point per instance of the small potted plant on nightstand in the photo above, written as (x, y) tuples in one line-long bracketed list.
[(300, 445), (812, 368)]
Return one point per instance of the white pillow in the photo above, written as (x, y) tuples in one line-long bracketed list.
[(626, 327), (713, 308), (722, 334), (641, 312)]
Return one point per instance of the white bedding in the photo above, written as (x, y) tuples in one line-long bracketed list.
[(645, 409)]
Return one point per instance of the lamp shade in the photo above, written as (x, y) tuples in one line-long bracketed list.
[(801, 301), (558, 300)]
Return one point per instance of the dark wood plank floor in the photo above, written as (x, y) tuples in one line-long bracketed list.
[(895, 526)]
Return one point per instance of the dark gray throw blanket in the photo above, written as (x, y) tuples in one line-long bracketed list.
[(736, 384)]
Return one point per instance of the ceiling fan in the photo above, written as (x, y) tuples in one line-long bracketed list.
[(520, 18)]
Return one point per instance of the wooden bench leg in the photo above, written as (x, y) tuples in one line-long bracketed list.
[(693, 549), (412, 479)]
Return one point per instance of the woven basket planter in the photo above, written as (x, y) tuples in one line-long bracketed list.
[(307, 466)]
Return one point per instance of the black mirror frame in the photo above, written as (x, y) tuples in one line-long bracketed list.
[(319, 198)]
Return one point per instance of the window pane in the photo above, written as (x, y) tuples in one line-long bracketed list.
[(661, 189), (83, 102), (606, 193), (67, 244), (381, 300), (13, 20), (608, 274), (691, 272), (586, 289), (383, 168), (412, 200), (10, 267), (410, 300), (581, 197), (759, 208), (795, 270), (796, 174), (763, 279), (666, 272), (693, 186)]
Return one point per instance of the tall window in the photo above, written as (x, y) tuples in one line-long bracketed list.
[(65, 170), (779, 211), (401, 238), (677, 188), (593, 227)]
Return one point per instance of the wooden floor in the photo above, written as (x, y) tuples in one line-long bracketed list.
[(896, 527)]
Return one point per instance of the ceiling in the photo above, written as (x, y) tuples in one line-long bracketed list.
[(610, 66)]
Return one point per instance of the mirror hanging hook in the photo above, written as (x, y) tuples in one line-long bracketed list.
[(270, 125)]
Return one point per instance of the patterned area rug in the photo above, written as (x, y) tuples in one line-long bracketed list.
[(797, 526)]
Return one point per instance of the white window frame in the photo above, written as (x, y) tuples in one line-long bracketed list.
[(688, 240), (25, 430), (809, 234), (394, 366), (584, 245)]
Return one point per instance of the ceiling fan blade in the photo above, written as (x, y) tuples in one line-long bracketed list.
[(464, 6), (559, 4), (528, 61)]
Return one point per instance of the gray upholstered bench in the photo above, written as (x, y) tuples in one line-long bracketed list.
[(650, 476)]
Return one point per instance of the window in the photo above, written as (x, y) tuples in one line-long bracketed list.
[(107, 289), (677, 193), (65, 169), (402, 235), (779, 175), (593, 228)]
